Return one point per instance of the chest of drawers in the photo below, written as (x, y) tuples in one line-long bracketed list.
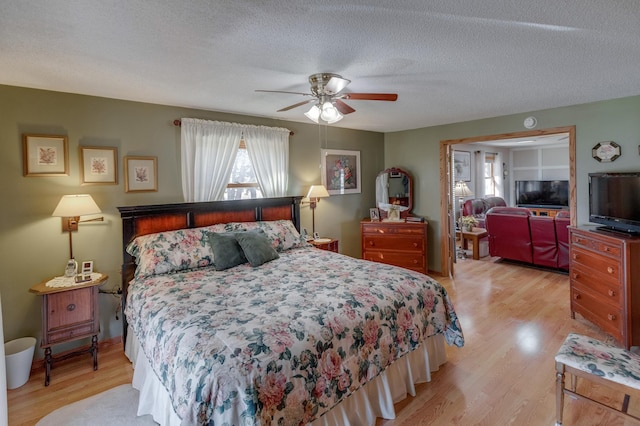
[(604, 273), (395, 243)]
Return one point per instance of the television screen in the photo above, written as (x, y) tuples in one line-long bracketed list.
[(614, 200), (547, 193)]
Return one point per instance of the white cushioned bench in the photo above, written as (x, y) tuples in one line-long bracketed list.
[(598, 362)]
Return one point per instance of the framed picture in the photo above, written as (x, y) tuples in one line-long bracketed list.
[(374, 214), (87, 267), (141, 174), (462, 166), (98, 165), (341, 171), (45, 155)]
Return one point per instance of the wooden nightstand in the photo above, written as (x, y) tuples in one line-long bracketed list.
[(68, 314), (326, 244)]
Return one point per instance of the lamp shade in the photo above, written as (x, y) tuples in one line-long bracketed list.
[(76, 205), (313, 114), (462, 190), (317, 191)]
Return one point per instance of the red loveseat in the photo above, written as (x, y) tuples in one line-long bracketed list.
[(516, 234), (478, 207)]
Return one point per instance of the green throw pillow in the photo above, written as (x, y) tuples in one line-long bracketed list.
[(256, 247), (227, 253)]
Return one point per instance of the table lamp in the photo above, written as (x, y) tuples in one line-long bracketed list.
[(70, 208)]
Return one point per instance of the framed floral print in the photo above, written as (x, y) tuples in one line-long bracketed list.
[(45, 155), (341, 171), (141, 174), (98, 165)]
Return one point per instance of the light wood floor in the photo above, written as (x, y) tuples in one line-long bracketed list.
[(514, 319)]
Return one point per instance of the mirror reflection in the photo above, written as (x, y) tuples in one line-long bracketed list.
[(394, 186)]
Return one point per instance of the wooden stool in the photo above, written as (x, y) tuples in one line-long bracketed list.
[(599, 362)]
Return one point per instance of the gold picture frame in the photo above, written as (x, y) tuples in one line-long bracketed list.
[(98, 165), (45, 155), (141, 174)]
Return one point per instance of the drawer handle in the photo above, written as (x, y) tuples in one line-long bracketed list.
[(371, 243), (612, 293), (415, 244), (71, 307), (610, 269), (577, 297), (415, 261), (575, 275), (607, 249), (611, 317), (575, 256)]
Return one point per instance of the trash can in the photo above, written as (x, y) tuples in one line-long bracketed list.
[(18, 355)]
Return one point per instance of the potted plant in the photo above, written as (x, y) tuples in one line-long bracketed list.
[(468, 222)]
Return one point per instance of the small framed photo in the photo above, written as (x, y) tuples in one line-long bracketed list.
[(141, 174), (98, 165), (45, 155), (374, 214), (87, 267)]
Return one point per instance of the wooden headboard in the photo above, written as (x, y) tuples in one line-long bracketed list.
[(143, 220)]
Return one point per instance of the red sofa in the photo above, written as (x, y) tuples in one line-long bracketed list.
[(516, 234), (478, 207)]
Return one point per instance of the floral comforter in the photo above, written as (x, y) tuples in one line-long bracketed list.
[(284, 342)]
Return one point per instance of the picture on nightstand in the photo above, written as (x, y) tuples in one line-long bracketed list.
[(87, 267), (374, 214)]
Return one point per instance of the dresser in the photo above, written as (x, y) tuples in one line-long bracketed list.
[(395, 243), (604, 274)]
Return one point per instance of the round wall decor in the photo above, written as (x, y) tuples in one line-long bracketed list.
[(530, 122), (606, 152)]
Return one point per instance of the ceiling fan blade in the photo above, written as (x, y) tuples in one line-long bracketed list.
[(342, 107), (282, 91), (295, 105), (336, 85), (371, 96)]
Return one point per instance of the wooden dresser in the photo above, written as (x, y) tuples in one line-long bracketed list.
[(396, 243), (604, 272)]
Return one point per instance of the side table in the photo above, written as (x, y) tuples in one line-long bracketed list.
[(328, 244), (475, 235), (69, 313)]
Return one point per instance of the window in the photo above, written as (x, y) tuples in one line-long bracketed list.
[(489, 174), (242, 181)]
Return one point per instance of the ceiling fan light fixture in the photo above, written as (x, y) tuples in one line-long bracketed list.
[(313, 114), (329, 113)]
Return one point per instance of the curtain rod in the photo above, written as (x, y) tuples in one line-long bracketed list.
[(178, 123)]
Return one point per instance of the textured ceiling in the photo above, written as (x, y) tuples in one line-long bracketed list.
[(449, 61)]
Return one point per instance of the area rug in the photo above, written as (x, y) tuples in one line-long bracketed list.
[(113, 407)]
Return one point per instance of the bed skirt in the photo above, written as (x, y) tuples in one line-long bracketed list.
[(373, 400)]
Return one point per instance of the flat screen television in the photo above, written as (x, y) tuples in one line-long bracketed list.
[(614, 201), (542, 193)]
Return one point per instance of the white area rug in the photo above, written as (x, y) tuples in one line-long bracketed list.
[(113, 407)]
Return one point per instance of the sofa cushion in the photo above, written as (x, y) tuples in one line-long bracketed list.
[(543, 241), (509, 234), (562, 220)]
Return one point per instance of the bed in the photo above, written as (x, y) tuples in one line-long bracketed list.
[(289, 334)]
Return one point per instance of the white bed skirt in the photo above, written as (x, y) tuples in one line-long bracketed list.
[(373, 400)]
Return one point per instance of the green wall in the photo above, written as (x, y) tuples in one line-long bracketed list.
[(33, 245), (418, 151)]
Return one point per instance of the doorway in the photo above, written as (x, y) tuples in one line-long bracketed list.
[(447, 234)]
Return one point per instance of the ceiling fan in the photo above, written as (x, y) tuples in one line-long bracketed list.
[(326, 91)]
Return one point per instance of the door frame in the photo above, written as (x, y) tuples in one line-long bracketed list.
[(447, 253)]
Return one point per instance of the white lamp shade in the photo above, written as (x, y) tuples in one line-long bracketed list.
[(317, 191), (329, 113), (313, 114), (462, 190), (76, 205)]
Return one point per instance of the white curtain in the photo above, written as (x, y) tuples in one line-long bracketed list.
[(208, 150), (382, 189), (498, 175), (268, 149), (479, 174)]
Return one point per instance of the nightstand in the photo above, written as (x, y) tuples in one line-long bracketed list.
[(69, 313), (326, 244)]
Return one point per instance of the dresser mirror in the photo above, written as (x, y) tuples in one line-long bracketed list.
[(395, 186)]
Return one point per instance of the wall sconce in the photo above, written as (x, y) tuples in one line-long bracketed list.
[(315, 193), (70, 208)]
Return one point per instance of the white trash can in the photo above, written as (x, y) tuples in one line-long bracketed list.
[(18, 355)]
